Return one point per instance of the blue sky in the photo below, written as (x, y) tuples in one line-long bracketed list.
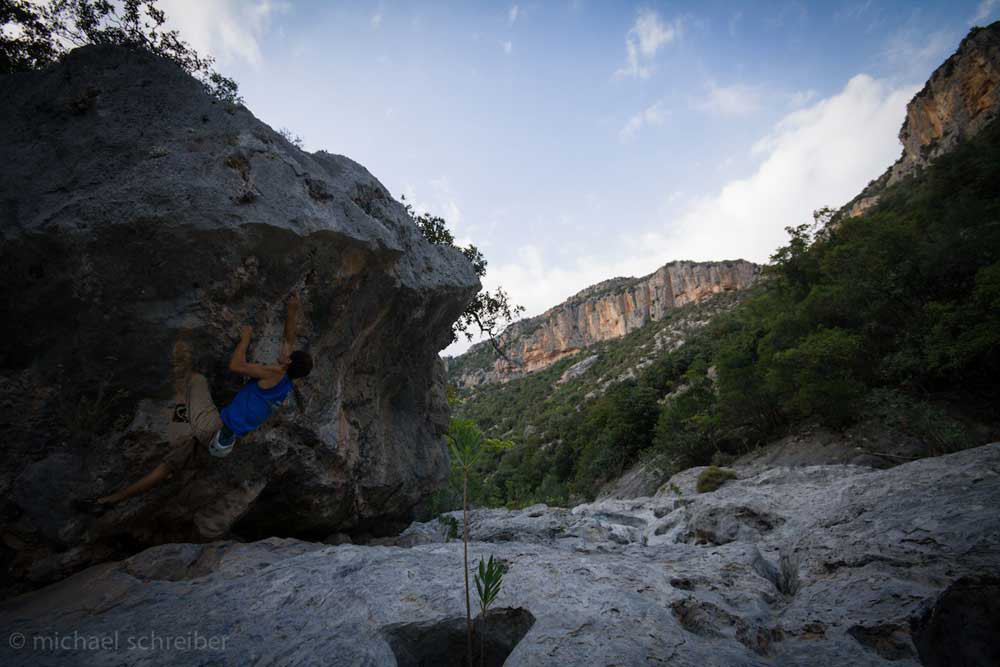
[(573, 141)]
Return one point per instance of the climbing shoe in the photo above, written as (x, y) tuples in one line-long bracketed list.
[(222, 444)]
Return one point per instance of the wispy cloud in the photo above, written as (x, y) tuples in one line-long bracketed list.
[(853, 10), (800, 98), (227, 29), (985, 9), (789, 14), (377, 17), (914, 53), (653, 115), (441, 201), (512, 14), (734, 21), (821, 155), (507, 46), (643, 40), (735, 100)]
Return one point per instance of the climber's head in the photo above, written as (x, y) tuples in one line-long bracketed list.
[(298, 364)]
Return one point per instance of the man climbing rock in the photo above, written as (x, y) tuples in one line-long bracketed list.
[(198, 431)]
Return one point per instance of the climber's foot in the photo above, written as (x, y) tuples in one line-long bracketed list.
[(93, 506)]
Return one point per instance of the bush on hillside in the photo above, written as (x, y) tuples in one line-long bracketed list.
[(711, 478)]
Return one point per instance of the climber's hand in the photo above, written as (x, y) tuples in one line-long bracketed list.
[(245, 331)]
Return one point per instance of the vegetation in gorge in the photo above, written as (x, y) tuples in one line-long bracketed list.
[(893, 316)]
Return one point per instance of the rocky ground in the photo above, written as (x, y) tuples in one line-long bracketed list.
[(816, 565)]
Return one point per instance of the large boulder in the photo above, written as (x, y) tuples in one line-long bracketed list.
[(816, 565), (134, 206)]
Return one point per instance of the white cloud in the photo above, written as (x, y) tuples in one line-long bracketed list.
[(227, 29), (654, 115), (507, 46), (822, 155), (643, 40), (914, 53), (441, 201), (537, 282), (985, 10), (801, 98), (513, 14), (377, 17), (735, 100)]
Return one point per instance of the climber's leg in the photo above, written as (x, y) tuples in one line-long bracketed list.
[(216, 518), (149, 481), (204, 416), (192, 412), (183, 454)]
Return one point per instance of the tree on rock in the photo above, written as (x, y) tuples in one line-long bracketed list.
[(488, 311), (33, 36)]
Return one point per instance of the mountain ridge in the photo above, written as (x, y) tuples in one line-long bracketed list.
[(608, 309)]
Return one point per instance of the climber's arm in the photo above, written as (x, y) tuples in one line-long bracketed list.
[(291, 324), (238, 362)]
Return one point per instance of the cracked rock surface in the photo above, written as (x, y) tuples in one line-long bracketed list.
[(821, 565)]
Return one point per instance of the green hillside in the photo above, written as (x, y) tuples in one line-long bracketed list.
[(892, 318)]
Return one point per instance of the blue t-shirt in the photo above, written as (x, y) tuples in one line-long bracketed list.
[(253, 405)]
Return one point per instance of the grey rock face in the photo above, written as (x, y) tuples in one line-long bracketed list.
[(820, 565), (578, 369), (132, 206), (642, 479)]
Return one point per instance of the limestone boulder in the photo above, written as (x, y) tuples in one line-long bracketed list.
[(134, 206)]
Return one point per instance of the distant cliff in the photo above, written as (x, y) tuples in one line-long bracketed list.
[(959, 99), (609, 309)]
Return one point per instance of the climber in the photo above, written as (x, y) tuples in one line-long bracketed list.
[(197, 429)]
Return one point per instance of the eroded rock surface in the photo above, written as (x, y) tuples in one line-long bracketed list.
[(819, 565), (133, 206)]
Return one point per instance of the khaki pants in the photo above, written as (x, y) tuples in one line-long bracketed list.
[(202, 415), (215, 513)]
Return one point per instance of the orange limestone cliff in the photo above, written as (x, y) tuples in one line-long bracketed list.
[(609, 309), (959, 99)]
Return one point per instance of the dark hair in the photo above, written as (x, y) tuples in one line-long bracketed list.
[(301, 364)]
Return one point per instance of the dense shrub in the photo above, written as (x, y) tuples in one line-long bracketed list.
[(711, 478)]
